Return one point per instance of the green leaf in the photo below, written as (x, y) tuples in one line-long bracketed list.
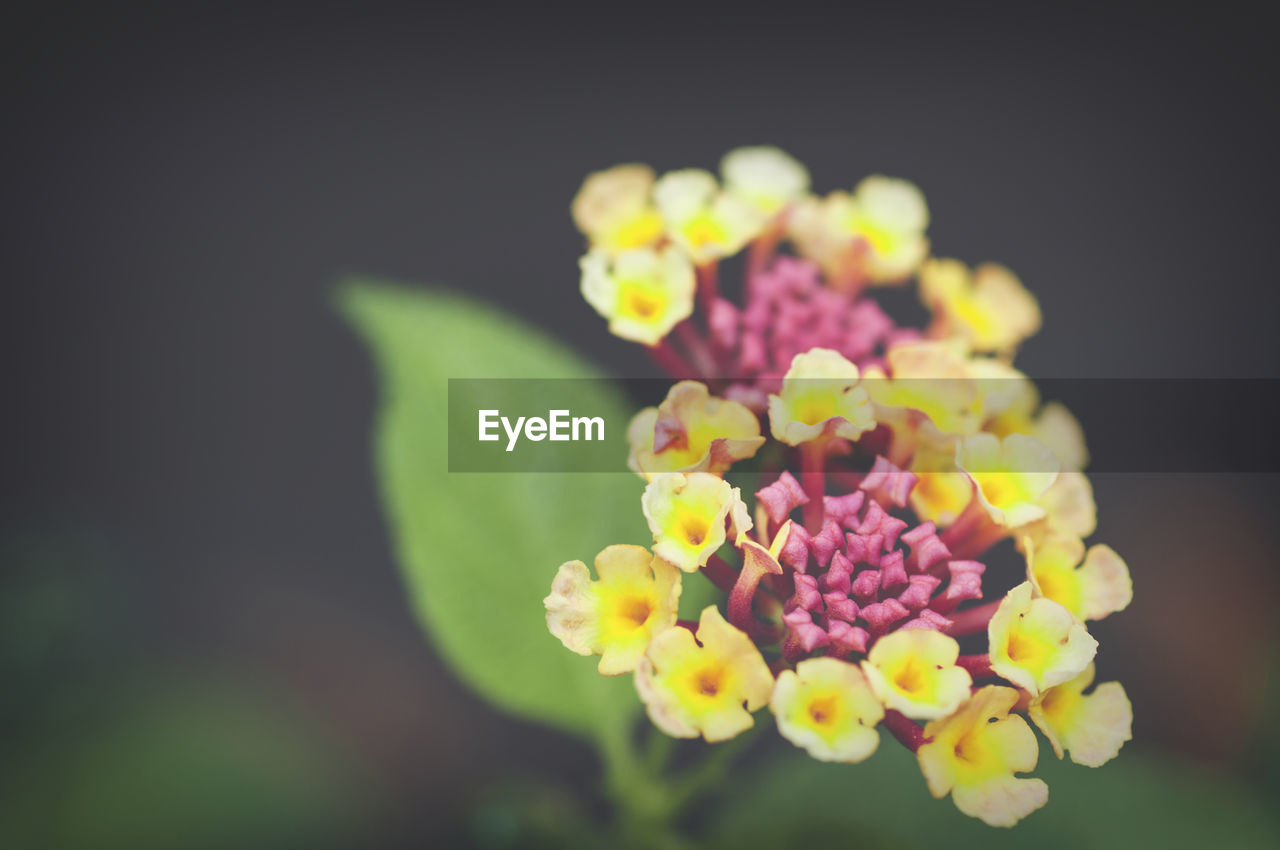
[(1138, 800), (479, 550)]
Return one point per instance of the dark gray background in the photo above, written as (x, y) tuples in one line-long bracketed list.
[(187, 418)]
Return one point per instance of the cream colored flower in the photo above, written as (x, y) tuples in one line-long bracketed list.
[(826, 707), (820, 397), (706, 222), (706, 686), (1035, 642), (614, 209), (989, 308), (643, 293), (765, 177), (617, 615)]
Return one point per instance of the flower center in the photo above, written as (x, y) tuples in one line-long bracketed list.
[(910, 678), (823, 710), (641, 303), (695, 529), (708, 681), (635, 610), (814, 410)]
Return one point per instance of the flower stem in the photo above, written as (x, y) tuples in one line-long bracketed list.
[(908, 732), (979, 666), (708, 285), (970, 621), (973, 532), (813, 480), (669, 360)]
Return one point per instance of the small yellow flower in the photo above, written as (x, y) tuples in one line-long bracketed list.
[(765, 177), (879, 229), (941, 493), (1090, 584), (616, 616), (692, 431), (1035, 642), (974, 754), (820, 397), (1092, 728), (686, 513), (614, 210), (706, 222), (708, 686), (643, 293), (914, 671), (931, 377), (989, 308), (890, 217), (1069, 509), (1058, 428), (1010, 475), (1011, 405), (826, 707)]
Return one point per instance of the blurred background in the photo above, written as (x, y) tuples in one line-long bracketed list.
[(203, 637)]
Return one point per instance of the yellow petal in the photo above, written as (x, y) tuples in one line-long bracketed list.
[(615, 617), (1011, 475), (707, 223), (974, 753), (644, 293), (613, 208), (820, 397), (1035, 642), (709, 433), (826, 707), (709, 686), (686, 513), (1092, 728), (914, 671), (989, 308), (764, 177)]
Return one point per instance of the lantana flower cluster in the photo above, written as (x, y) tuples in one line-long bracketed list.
[(852, 576)]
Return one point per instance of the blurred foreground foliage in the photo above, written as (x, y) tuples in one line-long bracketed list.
[(106, 751)]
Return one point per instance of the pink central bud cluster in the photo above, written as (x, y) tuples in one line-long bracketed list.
[(790, 310), (865, 573)]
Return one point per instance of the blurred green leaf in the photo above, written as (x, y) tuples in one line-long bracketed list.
[(479, 550), (1137, 800)]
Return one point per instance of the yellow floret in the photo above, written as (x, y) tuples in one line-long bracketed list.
[(1092, 728), (686, 513), (615, 616), (1035, 642), (914, 671), (706, 686), (644, 293), (974, 754), (701, 433), (820, 398), (826, 707)]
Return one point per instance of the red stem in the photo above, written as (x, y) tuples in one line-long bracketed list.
[(762, 251), (708, 285), (973, 532), (668, 360), (721, 574), (908, 732), (979, 666), (970, 621), (699, 353), (813, 480)]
